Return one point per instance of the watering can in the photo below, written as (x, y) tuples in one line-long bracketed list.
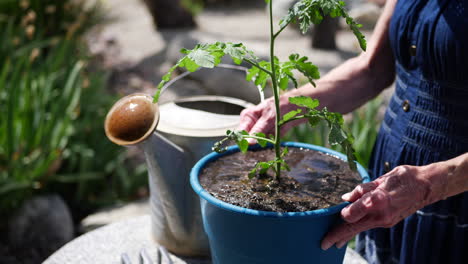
[(173, 137)]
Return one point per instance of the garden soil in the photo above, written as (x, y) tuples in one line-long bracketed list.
[(316, 180)]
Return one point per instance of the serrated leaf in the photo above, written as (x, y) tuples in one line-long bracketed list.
[(305, 67), (308, 12), (234, 51), (337, 135), (261, 79), (314, 120), (304, 101), (252, 72), (202, 58)]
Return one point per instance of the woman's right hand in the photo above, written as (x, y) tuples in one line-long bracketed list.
[(262, 117)]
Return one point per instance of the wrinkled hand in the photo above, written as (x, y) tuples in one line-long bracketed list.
[(387, 200), (261, 118)]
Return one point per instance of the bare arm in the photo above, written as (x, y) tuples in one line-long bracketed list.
[(398, 194), (344, 88)]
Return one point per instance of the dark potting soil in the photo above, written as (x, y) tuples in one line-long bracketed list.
[(316, 180)]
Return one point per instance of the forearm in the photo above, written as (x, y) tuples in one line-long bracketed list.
[(359, 79), (448, 178), (346, 87)]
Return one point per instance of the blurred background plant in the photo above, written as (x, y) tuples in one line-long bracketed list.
[(363, 124), (52, 110)]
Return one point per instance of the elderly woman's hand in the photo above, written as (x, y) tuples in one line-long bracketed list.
[(387, 200), (261, 118)]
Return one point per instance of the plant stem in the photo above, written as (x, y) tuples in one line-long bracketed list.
[(258, 66), (281, 29), (293, 119), (276, 94), (261, 138)]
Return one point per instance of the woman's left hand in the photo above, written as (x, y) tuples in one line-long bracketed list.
[(387, 200)]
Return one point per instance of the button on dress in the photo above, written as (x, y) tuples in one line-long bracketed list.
[(426, 122)]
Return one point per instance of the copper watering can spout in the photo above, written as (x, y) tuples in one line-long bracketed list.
[(132, 119)]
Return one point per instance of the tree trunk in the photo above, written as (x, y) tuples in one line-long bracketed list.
[(170, 14), (323, 36)]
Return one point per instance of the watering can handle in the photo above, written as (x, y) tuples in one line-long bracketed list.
[(221, 65)]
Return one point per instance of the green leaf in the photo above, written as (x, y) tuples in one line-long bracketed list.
[(308, 12), (202, 58), (337, 135), (261, 79), (209, 56), (189, 64), (290, 115), (252, 173), (234, 51), (285, 152), (243, 145), (304, 101), (314, 120), (261, 142), (307, 68), (283, 83), (252, 72)]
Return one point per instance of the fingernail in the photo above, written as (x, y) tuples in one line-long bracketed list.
[(346, 196), (340, 244), (326, 245)]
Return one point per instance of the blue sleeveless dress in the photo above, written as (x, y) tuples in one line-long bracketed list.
[(426, 122)]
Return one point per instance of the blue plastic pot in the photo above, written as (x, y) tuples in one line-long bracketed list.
[(244, 236)]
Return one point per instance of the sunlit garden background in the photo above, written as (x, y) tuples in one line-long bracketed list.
[(63, 63)]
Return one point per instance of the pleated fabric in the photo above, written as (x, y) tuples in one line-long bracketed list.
[(426, 122)]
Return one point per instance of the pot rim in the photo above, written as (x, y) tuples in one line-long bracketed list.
[(196, 186)]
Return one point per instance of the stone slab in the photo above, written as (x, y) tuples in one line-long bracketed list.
[(108, 243)]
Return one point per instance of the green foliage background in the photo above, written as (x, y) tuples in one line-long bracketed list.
[(52, 109)]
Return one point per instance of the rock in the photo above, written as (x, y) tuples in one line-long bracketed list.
[(114, 214), (41, 226)]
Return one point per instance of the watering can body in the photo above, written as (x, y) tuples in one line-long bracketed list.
[(186, 132)]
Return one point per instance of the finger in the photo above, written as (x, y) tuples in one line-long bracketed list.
[(343, 242), (248, 118), (264, 125), (359, 191), (357, 210), (344, 232), (375, 201)]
